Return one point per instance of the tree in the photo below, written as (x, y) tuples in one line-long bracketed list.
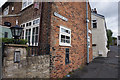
[(109, 36)]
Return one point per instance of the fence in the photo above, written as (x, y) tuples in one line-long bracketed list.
[(42, 49)]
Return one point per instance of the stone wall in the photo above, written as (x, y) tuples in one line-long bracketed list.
[(28, 67)]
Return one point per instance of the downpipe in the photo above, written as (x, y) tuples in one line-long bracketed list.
[(87, 31)]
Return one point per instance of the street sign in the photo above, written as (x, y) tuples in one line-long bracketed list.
[(60, 16)]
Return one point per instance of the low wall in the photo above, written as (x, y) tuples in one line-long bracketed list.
[(28, 67)]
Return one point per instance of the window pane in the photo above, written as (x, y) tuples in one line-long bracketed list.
[(23, 25), (67, 37), (29, 39), (29, 2), (33, 39), (29, 31), (24, 4), (63, 38), (29, 23), (67, 41), (94, 25), (36, 30), (26, 34), (34, 22), (33, 36), (37, 21), (67, 31), (33, 30), (63, 30), (6, 10), (36, 39)]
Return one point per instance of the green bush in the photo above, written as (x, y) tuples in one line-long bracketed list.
[(12, 41)]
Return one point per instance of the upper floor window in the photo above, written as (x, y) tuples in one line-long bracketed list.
[(6, 11), (26, 3), (94, 22), (31, 31), (65, 36), (37, 21)]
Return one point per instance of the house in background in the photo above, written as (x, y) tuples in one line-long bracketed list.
[(118, 41), (118, 38), (5, 32), (57, 29), (99, 35)]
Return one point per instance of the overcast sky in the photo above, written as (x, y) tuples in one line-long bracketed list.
[(108, 8)]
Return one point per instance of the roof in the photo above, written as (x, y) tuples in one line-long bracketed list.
[(96, 14), (101, 16), (5, 5)]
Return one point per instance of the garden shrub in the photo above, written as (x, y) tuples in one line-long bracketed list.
[(13, 41)]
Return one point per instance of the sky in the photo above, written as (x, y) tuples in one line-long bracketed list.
[(108, 8)]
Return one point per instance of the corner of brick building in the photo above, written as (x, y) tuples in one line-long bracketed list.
[(76, 15)]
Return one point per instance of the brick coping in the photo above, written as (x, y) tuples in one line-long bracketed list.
[(16, 45)]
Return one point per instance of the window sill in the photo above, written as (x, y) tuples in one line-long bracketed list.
[(65, 45)]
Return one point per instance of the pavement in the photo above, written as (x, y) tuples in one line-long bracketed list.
[(100, 67)]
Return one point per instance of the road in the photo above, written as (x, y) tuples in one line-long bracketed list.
[(100, 67)]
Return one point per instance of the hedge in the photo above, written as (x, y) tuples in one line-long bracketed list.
[(12, 41)]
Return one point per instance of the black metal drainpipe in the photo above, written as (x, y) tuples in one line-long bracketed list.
[(40, 26)]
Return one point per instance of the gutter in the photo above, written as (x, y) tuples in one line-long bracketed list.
[(87, 31)]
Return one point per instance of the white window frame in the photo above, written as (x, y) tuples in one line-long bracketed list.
[(6, 11), (27, 3), (66, 34), (31, 27), (94, 22)]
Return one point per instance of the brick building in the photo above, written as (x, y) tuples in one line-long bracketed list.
[(57, 29)]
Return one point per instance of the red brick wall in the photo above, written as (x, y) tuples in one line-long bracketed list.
[(76, 15), (49, 34), (12, 20), (17, 8), (29, 13)]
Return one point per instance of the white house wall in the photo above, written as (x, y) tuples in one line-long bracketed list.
[(118, 41), (99, 37)]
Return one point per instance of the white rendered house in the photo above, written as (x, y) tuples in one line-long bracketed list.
[(99, 35), (118, 38)]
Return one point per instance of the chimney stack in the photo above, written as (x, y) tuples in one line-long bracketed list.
[(94, 10)]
